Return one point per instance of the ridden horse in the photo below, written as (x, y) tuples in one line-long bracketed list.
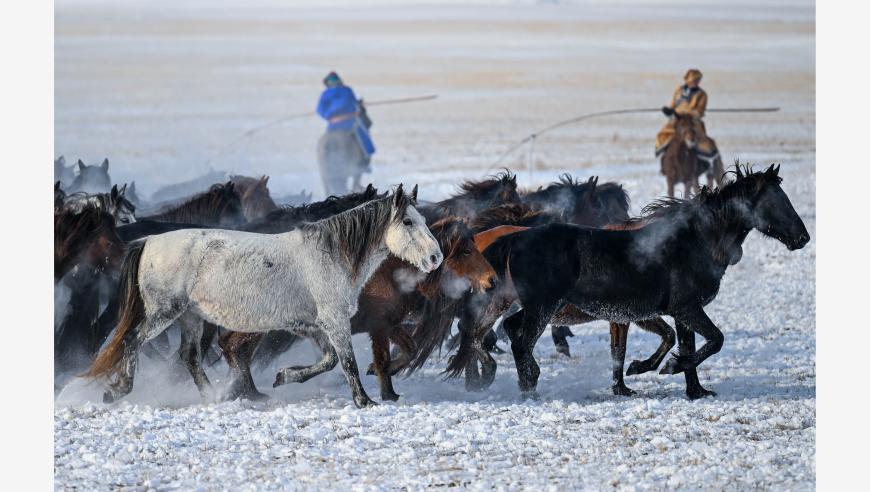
[(254, 193), (114, 202), (679, 163), (671, 264), (340, 155), (396, 292), (88, 237), (91, 179), (307, 280), (220, 206)]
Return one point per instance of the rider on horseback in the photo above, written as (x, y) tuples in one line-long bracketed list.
[(339, 106), (689, 100)]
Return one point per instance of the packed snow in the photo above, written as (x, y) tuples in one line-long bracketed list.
[(159, 90)]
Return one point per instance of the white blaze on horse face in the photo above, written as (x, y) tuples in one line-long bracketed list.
[(410, 240)]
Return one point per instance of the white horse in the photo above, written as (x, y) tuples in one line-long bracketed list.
[(307, 281)]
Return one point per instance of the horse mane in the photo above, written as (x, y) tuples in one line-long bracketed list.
[(481, 187), (287, 217), (470, 191), (507, 214), (354, 234), (205, 208)]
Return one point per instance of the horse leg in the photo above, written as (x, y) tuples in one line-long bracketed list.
[(663, 330), (191, 352), (670, 186), (488, 367), (688, 359), (300, 374), (618, 340), (381, 356), (238, 349), (524, 335), (339, 336), (560, 336), (135, 338)]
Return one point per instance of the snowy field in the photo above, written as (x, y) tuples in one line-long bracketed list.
[(160, 87)]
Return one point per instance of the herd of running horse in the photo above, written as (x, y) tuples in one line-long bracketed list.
[(229, 267)]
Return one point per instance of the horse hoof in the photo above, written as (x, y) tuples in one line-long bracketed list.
[(370, 370), (564, 350), (389, 397), (530, 395), (108, 397), (699, 392), (623, 390), (364, 402), (636, 367), (672, 366)]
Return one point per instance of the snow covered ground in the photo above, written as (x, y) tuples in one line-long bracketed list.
[(159, 88)]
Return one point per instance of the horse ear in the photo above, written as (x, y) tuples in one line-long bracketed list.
[(414, 195), (123, 189), (114, 191), (369, 189), (132, 186), (398, 196), (81, 165), (776, 170), (61, 160), (105, 164), (57, 185), (264, 180)]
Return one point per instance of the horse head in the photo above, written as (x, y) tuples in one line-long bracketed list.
[(92, 179), (685, 129), (407, 236), (120, 206), (773, 214), (462, 257)]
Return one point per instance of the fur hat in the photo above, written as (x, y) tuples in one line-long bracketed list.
[(693, 74)]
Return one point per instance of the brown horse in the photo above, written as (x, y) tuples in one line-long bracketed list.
[(221, 206), (86, 237), (254, 193), (395, 293), (680, 164)]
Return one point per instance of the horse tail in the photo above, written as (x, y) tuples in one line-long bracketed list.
[(131, 312), (456, 364), (436, 320)]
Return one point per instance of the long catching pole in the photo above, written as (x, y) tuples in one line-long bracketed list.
[(284, 119), (533, 136)]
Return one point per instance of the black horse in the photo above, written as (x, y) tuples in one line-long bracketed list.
[(671, 262)]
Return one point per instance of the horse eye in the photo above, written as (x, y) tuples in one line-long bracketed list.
[(466, 252), (407, 221)]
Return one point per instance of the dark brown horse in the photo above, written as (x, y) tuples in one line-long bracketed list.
[(680, 164), (254, 193), (87, 237), (221, 206)]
